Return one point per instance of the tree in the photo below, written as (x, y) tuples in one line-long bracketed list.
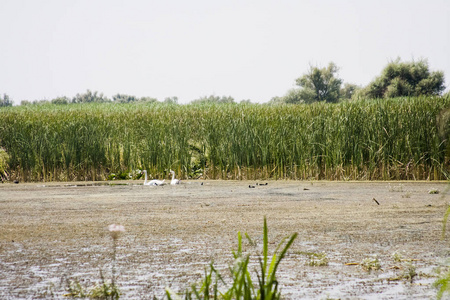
[(406, 79), (61, 100), (122, 98), (171, 100), (293, 96), (5, 101), (349, 91), (320, 84), (148, 100), (41, 102), (89, 97), (276, 101), (213, 99)]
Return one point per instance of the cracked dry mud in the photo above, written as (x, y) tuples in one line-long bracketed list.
[(56, 231)]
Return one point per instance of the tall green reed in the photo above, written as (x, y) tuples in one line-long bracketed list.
[(366, 139)]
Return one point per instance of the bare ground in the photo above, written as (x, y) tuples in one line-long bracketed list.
[(58, 231)]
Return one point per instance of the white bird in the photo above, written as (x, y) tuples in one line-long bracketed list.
[(174, 181), (152, 182)]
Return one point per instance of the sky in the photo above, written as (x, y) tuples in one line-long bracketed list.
[(249, 50)]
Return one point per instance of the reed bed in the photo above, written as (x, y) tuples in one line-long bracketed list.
[(362, 140)]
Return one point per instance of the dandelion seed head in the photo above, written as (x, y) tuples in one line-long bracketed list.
[(114, 227), (115, 230)]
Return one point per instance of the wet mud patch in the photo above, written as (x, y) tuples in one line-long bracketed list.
[(58, 231)]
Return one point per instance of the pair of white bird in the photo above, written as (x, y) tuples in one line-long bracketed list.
[(161, 182)]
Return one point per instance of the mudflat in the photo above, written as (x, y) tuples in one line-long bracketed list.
[(51, 233)]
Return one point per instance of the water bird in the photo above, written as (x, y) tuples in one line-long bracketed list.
[(251, 186), (174, 181), (152, 182)]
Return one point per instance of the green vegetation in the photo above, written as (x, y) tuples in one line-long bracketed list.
[(320, 84), (409, 272), (4, 157), (397, 79), (443, 285), (103, 290), (243, 286), (371, 263), (366, 139), (213, 99), (317, 85), (316, 259), (5, 101), (397, 256), (406, 79), (122, 98)]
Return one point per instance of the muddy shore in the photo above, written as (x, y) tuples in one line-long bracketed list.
[(51, 232)]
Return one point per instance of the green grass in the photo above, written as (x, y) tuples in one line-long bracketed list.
[(362, 140), (242, 286)]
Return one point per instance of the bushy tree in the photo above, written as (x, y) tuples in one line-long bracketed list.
[(5, 101), (89, 97), (123, 98), (41, 102), (406, 79), (349, 91), (148, 99), (276, 100), (61, 100), (171, 100), (320, 84), (214, 99), (293, 96), (245, 101)]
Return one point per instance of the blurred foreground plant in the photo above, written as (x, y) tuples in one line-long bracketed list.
[(242, 286)]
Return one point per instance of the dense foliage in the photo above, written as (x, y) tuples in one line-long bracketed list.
[(397, 79), (406, 79), (367, 139), (317, 85), (5, 101), (320, 84)]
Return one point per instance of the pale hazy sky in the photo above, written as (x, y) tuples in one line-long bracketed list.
[(245, 49)]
